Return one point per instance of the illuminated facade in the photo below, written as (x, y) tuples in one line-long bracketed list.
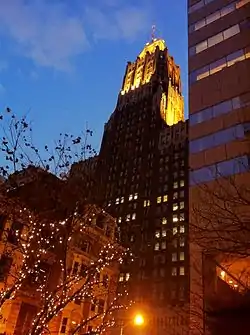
[(143, 181), (17, 314), (146, 69), (219, 100)]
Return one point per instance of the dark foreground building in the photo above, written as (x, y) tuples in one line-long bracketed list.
[(219, 106), (143, 181)]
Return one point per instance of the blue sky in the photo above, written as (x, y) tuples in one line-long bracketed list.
[(64, 60)]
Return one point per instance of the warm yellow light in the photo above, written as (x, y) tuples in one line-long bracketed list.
[(139, 320)]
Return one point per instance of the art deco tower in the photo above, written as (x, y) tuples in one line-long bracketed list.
[(143, 181)]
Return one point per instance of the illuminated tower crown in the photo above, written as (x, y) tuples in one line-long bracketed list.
[(155, 65)]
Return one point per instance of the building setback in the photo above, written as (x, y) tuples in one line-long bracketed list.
[(143, 181), (219, 105)]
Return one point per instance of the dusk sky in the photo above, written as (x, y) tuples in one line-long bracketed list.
[(64, 60)]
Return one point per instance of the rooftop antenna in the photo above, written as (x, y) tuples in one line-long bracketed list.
[(153, 32)]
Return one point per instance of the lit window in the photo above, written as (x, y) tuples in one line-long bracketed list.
[(122, 200), (174, 257), (175, 207), (136, 196), (127, 276), (164, 233), (181, 216), (182, 242), (165, 198), (164, 221), (175, 230), (174, 271), (119, 219), (163, 245), (145, 203), (182, 271), (133, 216), (117, 201), (181, 204), (157, 246), (175, 195), (157, 234), (109, 204), (182, 256), (121, 277), (128, 217), (148, 204), (130, 197), (175, 218), (175, 184), (158, 200), (182, 229), (182, 183)]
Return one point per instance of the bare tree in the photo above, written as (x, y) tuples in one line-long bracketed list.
[(49, 220)]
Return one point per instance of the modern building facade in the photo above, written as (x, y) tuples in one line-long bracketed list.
[(143, 181), (219, 105)]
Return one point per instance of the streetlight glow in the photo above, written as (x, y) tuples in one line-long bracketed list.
[(139, 320)]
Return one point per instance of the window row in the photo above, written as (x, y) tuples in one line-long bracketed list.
[(178, 257), (124, 277), (179, 242), (222, 169), (178, 271), (160, 246), (220, 64), (219, 109), (177, 206), (198, 5), (217, 15), (120, 200), (130, 217), (161, 199), (219, 138), (160, 233), (180, 229), (215, 39), (177, 184)]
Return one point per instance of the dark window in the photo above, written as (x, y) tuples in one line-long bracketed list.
[(75, 268), (64, 325), (83, 270), (108, 231), (3, 219), (222, 108), (100, 221), (5, 265), (15, 232), (97, 277), (105, 280), (82, 244), (26, 315), (226, 168), (93, 305), (101, 304)]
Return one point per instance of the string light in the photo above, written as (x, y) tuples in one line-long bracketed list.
[(44, 240)]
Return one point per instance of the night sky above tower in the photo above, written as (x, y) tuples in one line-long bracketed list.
[(65, 64)]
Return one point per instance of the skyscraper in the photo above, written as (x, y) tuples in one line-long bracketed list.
[(219, 102), (143, 181)]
